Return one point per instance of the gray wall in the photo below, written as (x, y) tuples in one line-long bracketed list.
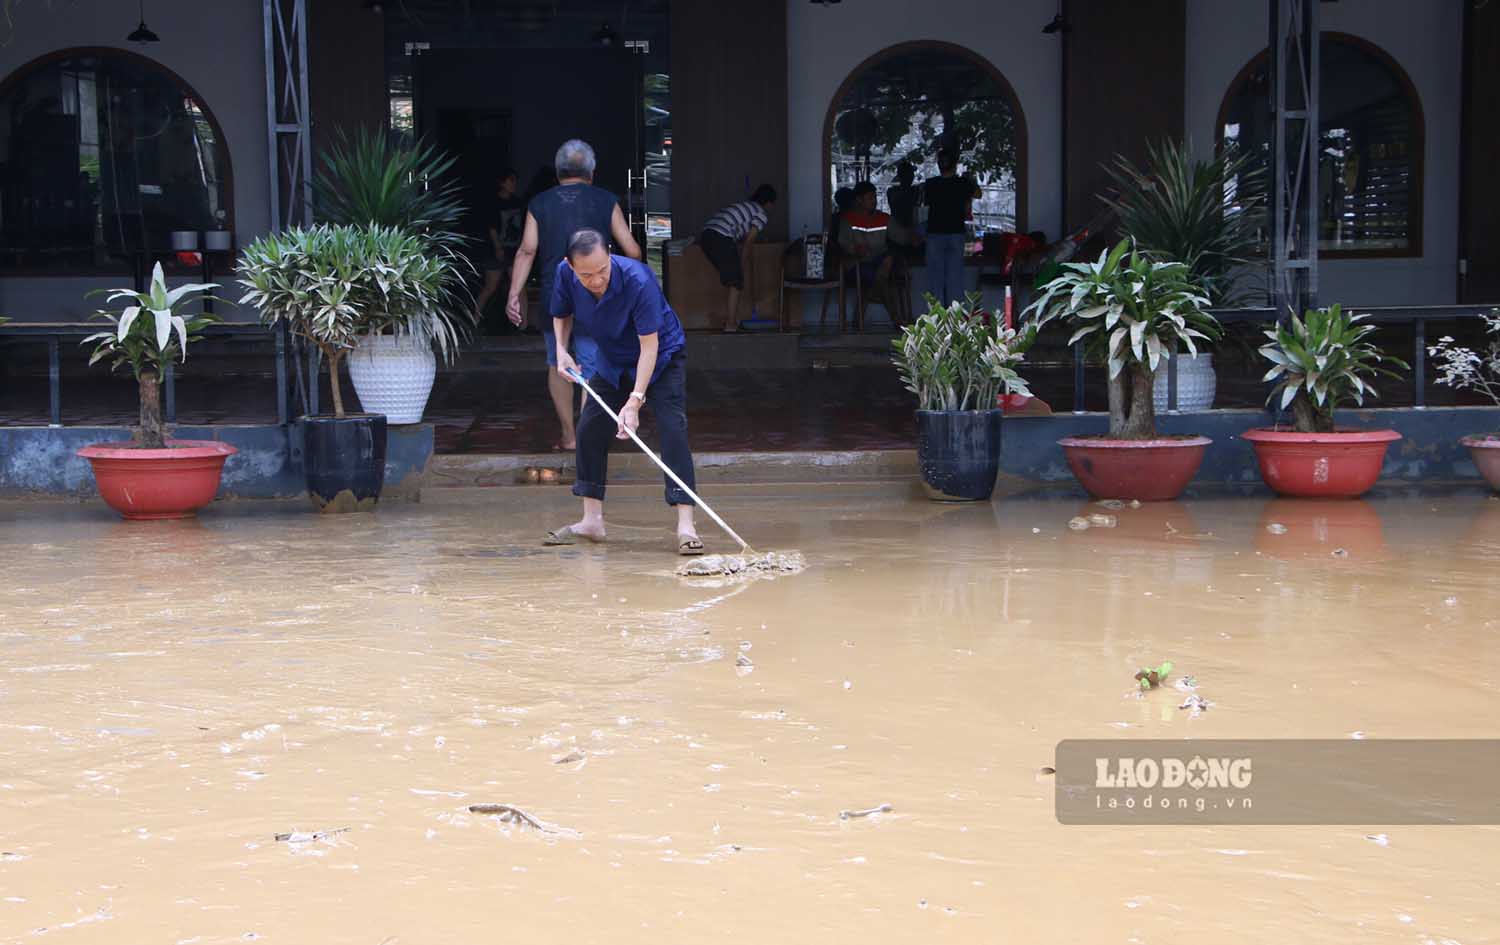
[(1426, 38), (216, 47)]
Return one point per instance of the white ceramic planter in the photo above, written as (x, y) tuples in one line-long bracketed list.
[(1196, 383), (393, 379)]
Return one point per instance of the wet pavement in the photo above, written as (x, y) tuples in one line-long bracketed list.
[(173, 696)]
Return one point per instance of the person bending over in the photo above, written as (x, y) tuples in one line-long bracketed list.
[(726, 240)]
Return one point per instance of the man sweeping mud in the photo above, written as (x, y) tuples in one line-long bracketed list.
[(637, 357)]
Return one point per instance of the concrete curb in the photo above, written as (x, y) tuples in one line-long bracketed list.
[(456, 471)]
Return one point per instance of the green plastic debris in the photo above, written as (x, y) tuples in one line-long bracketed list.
[(1151, 678)]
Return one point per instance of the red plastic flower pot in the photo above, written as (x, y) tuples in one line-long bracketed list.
[(1149, 470), (1341, 465), (154, 484), (1484, 448)]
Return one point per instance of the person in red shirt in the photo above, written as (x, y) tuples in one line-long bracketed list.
[(862, 236)]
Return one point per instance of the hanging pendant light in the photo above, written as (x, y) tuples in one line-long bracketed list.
[(142, 33)]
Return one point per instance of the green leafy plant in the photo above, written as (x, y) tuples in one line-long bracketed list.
[(1131, 309), (1321, 361), (146, 336), (953, 360), (1175, 210), (333, 284)]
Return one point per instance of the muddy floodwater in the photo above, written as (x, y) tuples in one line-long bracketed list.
[(175, 696)]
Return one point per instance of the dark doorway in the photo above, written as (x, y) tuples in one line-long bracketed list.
[(479, 140)]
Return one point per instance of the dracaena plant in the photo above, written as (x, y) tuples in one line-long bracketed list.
[(151, 332), (1322, 361), (952, 359), (1132, 310), (370, 178)]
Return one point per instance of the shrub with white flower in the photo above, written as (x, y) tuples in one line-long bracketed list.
[(1465, 369)]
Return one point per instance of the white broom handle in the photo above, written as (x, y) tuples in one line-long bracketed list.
[(744, 545)]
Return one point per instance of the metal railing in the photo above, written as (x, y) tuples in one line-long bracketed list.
[(1418, 315), (53, 334)]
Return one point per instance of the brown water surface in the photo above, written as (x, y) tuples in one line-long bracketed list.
[(174, 695)]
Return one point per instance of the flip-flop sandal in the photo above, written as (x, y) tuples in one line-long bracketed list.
[(566, 536), (689, 546)]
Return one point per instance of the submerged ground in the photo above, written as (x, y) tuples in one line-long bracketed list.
[(173, 696)]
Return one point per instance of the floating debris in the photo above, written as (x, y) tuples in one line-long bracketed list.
[(1151, 678), (571, 757), (1078, 523), (743, 665), (1100, 520), (298, 836), (514, 815), (1340, 553), (1186, 683), (1276, 528), (1378, 838), (1045, 772), (1197, 704), (1114, 505), (868, 811)]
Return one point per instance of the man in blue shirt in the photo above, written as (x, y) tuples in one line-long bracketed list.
[(637, 355)]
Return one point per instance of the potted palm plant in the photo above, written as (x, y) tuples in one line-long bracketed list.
[(1319, 362), (1465, 369), (152, 476), (331, 285), (1175, 210), (958, 364), (1131, 309), (372, 180)]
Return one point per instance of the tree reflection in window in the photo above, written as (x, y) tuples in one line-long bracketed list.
[(1370, 146), (103, 154), (912, 101)]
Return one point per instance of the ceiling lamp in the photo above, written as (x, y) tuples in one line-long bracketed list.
[(142, 33)]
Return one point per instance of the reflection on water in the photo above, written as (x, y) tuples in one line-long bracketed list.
[(174, 695)]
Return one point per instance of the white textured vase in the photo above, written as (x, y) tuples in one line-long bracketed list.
[(393, 378), (1196, 383)]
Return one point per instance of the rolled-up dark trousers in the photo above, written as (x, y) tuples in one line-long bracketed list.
[(667, 398)]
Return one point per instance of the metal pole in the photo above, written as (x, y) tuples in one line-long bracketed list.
[(54, 381), (1419, 365), (281, 382), (1172, 381), (1078, 365), (169, 382), (268, 16)]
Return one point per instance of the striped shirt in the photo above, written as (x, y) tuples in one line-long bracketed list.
[(736, 220)]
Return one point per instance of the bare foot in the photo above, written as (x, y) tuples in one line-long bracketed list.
[(587, 529)]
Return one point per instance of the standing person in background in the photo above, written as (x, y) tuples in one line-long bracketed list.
[(726, 240), (950, 200), (903, 197), (507, 222), (551, 220)]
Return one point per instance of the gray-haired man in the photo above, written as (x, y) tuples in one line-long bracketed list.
[(551, 220)]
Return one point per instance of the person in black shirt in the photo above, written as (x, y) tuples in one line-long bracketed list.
[(903, 198), (507, 220), (950, 201)]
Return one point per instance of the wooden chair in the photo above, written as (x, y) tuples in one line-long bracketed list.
[(794, 277)]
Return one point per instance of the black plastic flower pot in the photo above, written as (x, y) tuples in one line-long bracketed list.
[(958, 452), (344, 459)]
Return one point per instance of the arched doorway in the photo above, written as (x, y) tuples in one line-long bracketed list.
[(103, 154), (907, 102)]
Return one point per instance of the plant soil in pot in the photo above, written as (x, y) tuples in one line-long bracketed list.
[(959, 453), (1154, 470), (1130, 309), (959, 364), (1320, 361), (172, 482), (344, 460)]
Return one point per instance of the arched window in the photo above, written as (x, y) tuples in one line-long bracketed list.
[(1371, 142), (906, 103), (103, 154)]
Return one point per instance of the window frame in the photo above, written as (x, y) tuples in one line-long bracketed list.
[(1417, 198), (25, 70)]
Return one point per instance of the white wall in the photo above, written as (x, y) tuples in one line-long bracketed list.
[(1426, 38), (216, 46), (825, 43)]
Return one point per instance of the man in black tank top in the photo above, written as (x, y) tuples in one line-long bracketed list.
[(551, 220)]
